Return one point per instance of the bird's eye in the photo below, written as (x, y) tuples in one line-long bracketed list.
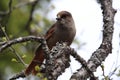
[(64, 16)]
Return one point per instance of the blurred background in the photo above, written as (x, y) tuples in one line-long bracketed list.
[(19, 18)]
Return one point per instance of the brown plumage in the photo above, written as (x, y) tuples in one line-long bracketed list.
[(62, 31)]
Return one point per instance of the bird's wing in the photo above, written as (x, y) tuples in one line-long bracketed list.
[(50, 32)]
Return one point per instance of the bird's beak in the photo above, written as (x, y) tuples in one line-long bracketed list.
[(58, 18)]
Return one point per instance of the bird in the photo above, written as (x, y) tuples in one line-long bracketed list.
[(63, 30)]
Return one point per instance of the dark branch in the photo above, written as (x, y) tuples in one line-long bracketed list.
[(8, 11), (31, 15), (10, 8)]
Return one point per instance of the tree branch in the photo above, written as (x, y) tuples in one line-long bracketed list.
[(106, 46), (20, 40), (83, 63), (58, 61)]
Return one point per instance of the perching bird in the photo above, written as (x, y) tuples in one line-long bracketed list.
[(62, 31)]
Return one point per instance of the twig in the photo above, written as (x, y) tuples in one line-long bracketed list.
[(84, 63), (113, 72), (10, 7), (20, 40), (103, 70)]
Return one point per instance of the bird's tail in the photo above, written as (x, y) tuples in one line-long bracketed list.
[(37, 60)]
